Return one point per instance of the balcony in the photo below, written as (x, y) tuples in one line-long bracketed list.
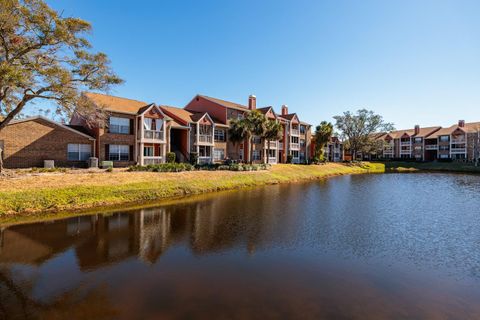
[(152, 160), (203, 138), (280, 145), (295, 146), (152, 135), (204, 160), (295, 132), (431, 147), (458, 150), (273, 144), (458, 141), (405, 143)]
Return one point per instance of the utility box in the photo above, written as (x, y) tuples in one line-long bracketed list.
[(49, 164), (107, 164), (93, 162)]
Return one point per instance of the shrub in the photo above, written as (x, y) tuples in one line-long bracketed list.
[(289, 158), (164, 167), (109, 169), (193, 158), (170, 157)]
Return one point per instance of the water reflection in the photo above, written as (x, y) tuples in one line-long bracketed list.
[(360, 247)]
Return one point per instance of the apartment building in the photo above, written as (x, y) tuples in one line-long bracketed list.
[(457, 142), (334, 151), (137, 132), (134, 132)]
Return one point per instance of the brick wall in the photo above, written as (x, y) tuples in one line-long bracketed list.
[(27, 144)]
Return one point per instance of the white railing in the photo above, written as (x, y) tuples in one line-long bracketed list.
[(152, 134), (152, 160), (295, 132), (458, 150), (280, 145), (272, 159), (457, 141), (273, 144), (203, 138), (405, 143), (295, 146), (431, 147), (204, 160)]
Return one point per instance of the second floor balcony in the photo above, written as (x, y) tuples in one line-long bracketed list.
[(405, 143), (153, 134), (431, 147), (295, 132), (205, 139), (295, 146)]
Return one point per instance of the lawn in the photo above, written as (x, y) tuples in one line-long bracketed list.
[(400, 166), (79, 190)]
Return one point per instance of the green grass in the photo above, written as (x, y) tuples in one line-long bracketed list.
[(65, 197), (399, 166)]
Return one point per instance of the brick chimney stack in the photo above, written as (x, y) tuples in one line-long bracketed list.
[(252, 102), (284, 110), (461, 123), (417, 129)]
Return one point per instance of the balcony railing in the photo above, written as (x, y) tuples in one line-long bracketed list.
[(203, 138), (280, 145), (295, 132), (405, 143), (431, 147), (273, 145), (272, 159), (152, 160), (152, 134), (295, 146), (460, 140), (203, 160), (458, 150)]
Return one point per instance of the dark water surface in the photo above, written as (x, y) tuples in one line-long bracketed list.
[(393, 246)]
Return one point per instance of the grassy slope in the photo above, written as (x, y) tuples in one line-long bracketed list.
[(68, 191), (399, 166)]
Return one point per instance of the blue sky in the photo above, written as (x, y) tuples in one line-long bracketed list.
[(411, 61)]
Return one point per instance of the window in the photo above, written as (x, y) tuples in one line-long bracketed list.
[(240, 154), (219, 135), (302, 129), (443, 148), (256, 140), (119, 125), (205, 129), (240, 116), (204, 151), (418, 140), (147, 123), (218, 154), (272, 153), (148, 151), (444, 138), (302, 142), (295, 154), (444, 156), (119, 152), (79, 152), (294, 139), (302, 155), (256, 155)]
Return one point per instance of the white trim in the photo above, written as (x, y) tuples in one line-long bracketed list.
[(52, 122)]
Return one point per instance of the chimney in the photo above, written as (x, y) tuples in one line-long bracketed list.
[(284, 110), (252, 102), (461, 123), (417, 129)]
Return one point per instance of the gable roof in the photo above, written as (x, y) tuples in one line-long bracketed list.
[(116, 104), (61, 125), (468, 128), (225, 103), (425, 132), (180, 115)]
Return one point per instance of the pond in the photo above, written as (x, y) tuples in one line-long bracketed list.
[(391, 246)]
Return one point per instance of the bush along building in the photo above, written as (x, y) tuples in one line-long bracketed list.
[(137, 132), (460, 141)]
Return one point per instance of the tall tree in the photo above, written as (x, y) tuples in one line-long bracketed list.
[(357, 129), (273, 132), (245, 129), (323, 133), (44, 56)]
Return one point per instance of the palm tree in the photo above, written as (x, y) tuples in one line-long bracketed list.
[(273, 132), (323, 133), (244, 129), (238, 131)]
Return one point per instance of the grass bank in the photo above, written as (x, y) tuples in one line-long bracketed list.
[(55, 192), (399, 166)]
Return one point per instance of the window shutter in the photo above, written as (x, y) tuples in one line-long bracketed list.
[(131, 153), (131, 126), (107, 152)]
